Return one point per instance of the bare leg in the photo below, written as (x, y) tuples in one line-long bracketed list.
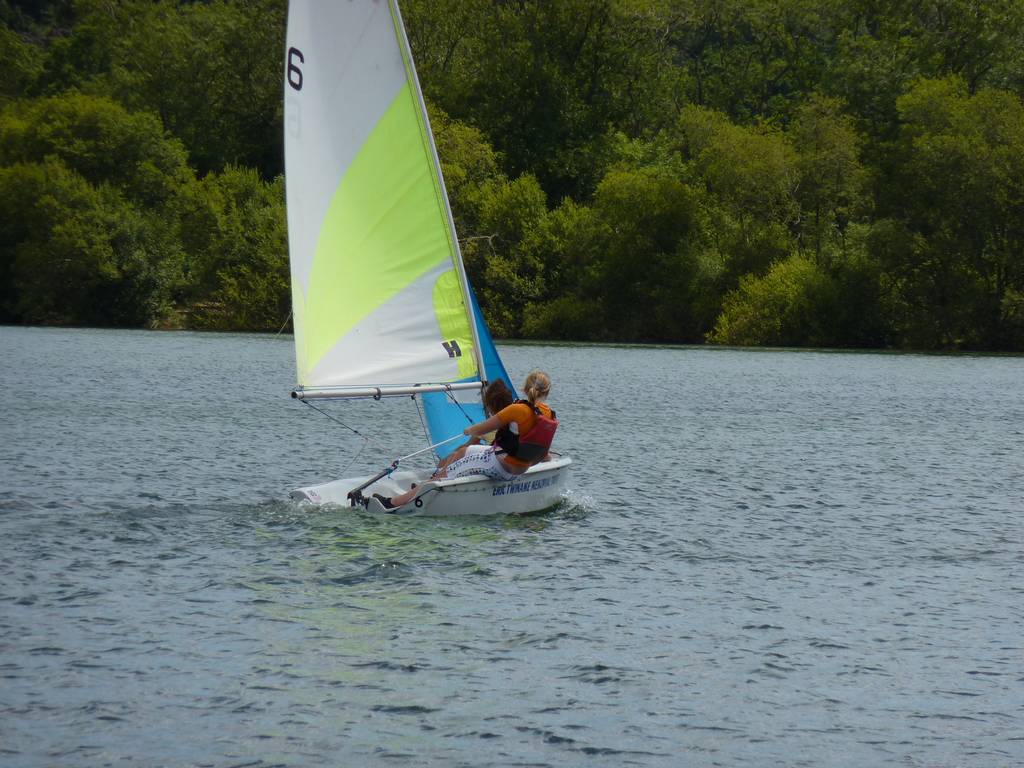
[(405, 498), (453, 456), (439, 474)]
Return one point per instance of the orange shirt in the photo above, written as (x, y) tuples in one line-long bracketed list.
[(524, 419)]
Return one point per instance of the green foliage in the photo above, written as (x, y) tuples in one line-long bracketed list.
[(470, 167), (240, 272), (963, 157), (509, 275), (99, 139), (79, 57), (87, 237), (832, 183), (1012, 313), (547, 80), (212, 72), (750, 176), (567, 242), (748, 171), (792, 305), (206, 69), (652, 213), (751, 171), (105, 224), (80, 255), (752, 58), (21, 63)]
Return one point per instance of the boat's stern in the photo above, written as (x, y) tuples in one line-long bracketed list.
[(539, 488)]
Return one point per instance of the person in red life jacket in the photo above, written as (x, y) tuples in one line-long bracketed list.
[(525, 430)]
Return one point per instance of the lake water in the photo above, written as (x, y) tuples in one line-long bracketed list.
[(766, 558)]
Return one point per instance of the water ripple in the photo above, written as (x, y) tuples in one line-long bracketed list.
[(782, 559)]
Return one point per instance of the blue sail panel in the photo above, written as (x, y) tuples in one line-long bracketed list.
[(494, 369), (446, 417)]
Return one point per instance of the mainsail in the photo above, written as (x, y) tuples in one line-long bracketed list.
[(379, 295)]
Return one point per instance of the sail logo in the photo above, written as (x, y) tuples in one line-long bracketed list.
[(452, 348)]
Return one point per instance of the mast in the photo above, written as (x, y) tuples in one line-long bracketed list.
[(459, 266)]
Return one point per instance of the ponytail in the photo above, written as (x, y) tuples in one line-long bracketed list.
[(537, 385)]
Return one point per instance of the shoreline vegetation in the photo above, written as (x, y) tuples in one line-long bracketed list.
[(836, 173)]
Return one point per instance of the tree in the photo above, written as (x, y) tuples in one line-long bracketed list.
[(568, 242), (240, 274), (883, 47), (88, 236), (792, 305), (211, 72), (961, 167), (470, 167), (21, 62), (832, 183), (99, 139), (509, 276), (749, 59), (548, 83), (750, 176), (81, 255), (652, 228)]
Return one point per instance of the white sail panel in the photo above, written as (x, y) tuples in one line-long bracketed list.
[(361, 357), (349, 72), (369, 233)]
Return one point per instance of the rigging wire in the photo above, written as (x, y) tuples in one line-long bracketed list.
[(423, 421), (353, 460), (365, 438), (451, 396), (284, 324), (336, 421)]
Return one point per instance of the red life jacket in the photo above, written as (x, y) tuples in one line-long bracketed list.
[(535, 444)]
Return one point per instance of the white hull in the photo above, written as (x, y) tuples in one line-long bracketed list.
[(539, 488)]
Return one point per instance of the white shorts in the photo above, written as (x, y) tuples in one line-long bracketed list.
[(479, 460)]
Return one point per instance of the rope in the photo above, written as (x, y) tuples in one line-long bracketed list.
[(365, 439), (419, 412), (428, 448), (423, 423), (451, 396), (336, 421), (285, 324), (353, 460)]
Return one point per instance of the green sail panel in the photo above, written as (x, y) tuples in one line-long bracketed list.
[(376, 297)]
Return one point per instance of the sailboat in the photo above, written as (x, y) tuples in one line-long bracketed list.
[(381, 304)]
